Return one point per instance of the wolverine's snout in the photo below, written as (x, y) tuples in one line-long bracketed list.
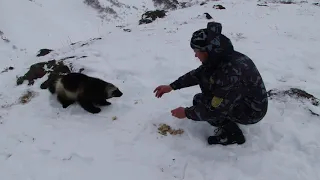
[(117, 93)]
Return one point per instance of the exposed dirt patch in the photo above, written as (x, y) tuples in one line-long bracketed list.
[(40, 69), (4, 106), (166, 4), (53, 68), (150, 16), (282, 1), (87, 43), (103, 11), (3, 37), (296, 94)]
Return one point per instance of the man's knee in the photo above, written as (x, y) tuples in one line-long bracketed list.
[(246, 115), (218, 122), (197, 99)]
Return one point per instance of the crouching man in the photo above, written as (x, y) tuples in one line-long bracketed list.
[(232, 89)]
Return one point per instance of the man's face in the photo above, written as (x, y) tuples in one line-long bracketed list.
[(202, 56)]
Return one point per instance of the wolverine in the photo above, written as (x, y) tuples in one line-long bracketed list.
[(87, 91)]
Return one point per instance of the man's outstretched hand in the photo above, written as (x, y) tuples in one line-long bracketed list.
[(160, 90), (179, 113)]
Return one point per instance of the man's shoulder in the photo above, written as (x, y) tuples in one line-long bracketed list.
[(240, 61)]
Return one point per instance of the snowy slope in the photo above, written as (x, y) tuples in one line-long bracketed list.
[(41, 140), (53, 24)]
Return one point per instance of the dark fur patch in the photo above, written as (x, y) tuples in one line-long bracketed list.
[(87, 91)]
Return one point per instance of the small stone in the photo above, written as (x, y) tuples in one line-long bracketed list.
[(43, 52), (218, 7)]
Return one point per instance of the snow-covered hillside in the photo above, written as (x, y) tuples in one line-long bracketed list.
[(34, 24), (41, 140)]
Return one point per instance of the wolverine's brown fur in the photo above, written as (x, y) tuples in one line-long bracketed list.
[(78, 87)]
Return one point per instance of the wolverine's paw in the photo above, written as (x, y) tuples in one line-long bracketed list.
[(65, 105), (103, 103), (88, 106), (94, 110)]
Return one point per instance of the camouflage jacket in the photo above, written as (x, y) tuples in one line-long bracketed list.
[(225, 78)]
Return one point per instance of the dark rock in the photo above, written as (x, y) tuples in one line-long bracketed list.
[(145, 21), (87, 43), (120, 26), (7, 69), (262, 5), (150, 16), (127, 30), (43, 52), (69, 57), (208, 16), (287, 2), (218, 6), (316, 4), (81, 70), (203, 3)]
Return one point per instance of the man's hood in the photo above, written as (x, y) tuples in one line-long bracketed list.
[(219, 46)]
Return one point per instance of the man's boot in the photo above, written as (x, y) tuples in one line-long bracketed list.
[(227, 134)]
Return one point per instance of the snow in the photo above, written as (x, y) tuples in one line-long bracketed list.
[(41, 140)]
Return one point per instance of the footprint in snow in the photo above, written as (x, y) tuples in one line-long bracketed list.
[(45, 151), (77, 158)]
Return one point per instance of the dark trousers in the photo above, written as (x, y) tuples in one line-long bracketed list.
[(242, 113)]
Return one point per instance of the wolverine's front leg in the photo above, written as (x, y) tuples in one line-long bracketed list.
[(103, 102), (64, 101), (88, 105)]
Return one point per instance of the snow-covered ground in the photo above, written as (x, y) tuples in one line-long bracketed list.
[(41, 140)]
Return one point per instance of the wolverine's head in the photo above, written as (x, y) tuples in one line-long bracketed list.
[(112, 91)]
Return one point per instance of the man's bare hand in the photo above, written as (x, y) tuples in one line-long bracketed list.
[(179, 113), (160, 90)]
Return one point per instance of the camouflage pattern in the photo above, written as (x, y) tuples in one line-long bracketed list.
[(232, 87)]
